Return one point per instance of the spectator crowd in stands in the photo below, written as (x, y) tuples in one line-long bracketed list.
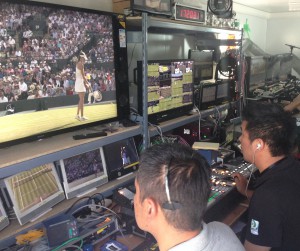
[(29, 55), (83, 165)]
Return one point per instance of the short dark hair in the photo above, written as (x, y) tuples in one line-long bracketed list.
[(188, 179), (272, 124)]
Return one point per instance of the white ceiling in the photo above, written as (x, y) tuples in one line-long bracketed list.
[(271, 6)]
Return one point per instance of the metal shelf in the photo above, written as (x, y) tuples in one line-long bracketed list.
[(169, 26), (25, 156), (14, 228), (148, 24), (174, 123)]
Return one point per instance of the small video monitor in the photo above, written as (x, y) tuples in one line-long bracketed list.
[(222, 90), (4, 221), (225, 91), (121, 158), (203, 67), (206, 95), (34, 192), (83, 173), (158, 7)]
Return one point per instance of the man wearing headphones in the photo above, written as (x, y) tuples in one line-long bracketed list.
[(267, 140), (172, 190)]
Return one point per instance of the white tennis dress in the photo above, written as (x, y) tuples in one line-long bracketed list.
[(79, 82)]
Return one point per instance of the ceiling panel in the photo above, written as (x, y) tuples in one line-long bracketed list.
[(271, 6)]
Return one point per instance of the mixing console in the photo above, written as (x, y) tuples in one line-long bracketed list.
[(280, 90), (222, 181)]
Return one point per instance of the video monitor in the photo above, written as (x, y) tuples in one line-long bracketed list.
[(225, 91), (256, 74), (158, 7), (206, 95), (4, 221), (43, 43), (34, 192), (222, 90), (83, 173), (170, 85), (121, 158), (203, 66)]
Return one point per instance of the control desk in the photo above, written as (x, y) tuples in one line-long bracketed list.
[(101, 228)]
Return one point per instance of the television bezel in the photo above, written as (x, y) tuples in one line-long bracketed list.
[(143, 8), (120, 67), (87, 186), (118, 173), (39, 209), (172, 113), (4, 222)]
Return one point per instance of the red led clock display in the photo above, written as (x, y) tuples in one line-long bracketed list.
[(189, 14)]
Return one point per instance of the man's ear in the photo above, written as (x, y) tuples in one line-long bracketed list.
[(150, 207)]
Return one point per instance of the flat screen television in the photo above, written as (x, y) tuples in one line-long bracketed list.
[(4, 221), (170, 85), (159, 7), (203, 66), (121, 158), (37, 71), (83, 173), (34, 192)]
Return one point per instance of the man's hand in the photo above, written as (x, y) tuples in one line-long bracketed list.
[(241, 184)]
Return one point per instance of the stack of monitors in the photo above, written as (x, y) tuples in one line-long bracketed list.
[(121, 158), (4, 222), (34, 192), (83, 173), (170, 86)]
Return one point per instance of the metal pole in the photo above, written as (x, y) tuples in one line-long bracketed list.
[(145, 79)]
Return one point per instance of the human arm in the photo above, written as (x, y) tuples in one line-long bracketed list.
[(242, 185), (252, 247), (295, 104), (81, 69)]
